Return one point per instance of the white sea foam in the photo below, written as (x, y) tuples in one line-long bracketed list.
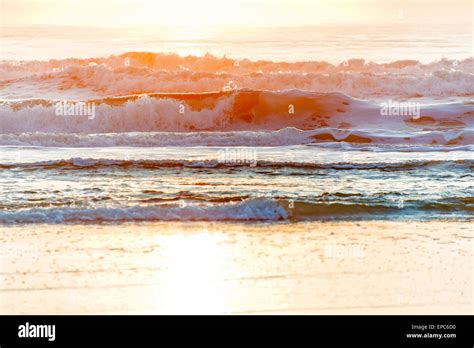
[(422, 141), (253, 210), (152, 72), (241, 110)]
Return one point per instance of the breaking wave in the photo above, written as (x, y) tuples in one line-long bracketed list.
[(146, 72), (403, 141), (240, 110), (246, 210)]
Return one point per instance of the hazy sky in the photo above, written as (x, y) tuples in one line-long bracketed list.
[(230, 12)]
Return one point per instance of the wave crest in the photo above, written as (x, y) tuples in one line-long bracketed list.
[(151, 72), (226, 111), (246, 210)]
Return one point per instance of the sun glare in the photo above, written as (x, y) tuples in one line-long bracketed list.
[(216, 13), (194, 264)]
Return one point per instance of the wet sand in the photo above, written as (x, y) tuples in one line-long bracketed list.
[(212, 268)]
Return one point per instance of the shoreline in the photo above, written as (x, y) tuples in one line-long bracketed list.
[(359, 267)]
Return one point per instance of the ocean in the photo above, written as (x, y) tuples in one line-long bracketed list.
[(281, 125)]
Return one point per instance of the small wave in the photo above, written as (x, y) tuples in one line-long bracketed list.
[(101, 163), (343, 139), (251, 210), (283, 137), (393, 147), (312, 211)]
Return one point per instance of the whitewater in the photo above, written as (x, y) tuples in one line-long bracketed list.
[(236, 131)]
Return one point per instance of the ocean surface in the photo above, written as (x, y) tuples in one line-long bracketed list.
[(288, 124)]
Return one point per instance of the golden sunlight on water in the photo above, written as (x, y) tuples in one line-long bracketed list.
[(193, 276), (170, 268), (238, 156), (231, 12)]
